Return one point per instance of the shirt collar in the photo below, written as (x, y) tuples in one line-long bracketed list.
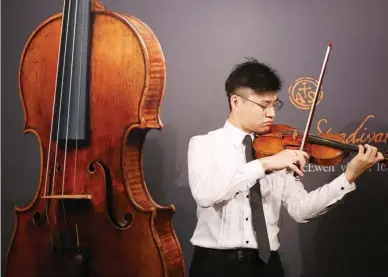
[(234, 134)]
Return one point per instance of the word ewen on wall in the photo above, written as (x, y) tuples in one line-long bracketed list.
[(334, 168)]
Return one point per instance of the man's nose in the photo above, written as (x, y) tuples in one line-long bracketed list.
[(270, 112)]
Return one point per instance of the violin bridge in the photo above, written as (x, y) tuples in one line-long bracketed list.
[(75, 203), (294, 134), (60, 196)]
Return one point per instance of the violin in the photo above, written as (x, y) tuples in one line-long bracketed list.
[(91, 82), (324, 148)]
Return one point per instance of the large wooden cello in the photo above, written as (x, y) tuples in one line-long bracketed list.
[(91, 83)]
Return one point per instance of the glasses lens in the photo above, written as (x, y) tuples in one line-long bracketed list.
[(278, 105)]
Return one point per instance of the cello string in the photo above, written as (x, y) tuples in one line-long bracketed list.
[(68, 109), (60, 101), (52, 123)]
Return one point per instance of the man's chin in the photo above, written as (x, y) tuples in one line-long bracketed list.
[(263, 130)]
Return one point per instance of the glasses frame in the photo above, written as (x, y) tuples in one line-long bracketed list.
[(265, 108)]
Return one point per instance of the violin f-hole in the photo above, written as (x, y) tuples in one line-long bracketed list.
[(126, 219)]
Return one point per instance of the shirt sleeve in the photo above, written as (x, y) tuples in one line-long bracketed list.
[(303, 205), (211, 183)]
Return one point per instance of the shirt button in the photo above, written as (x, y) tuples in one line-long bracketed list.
[(247, 196), (342, 188), (247, 241), (246, 219)]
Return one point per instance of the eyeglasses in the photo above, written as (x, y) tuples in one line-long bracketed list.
[(276, 106)]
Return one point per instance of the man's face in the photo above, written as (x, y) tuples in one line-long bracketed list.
[(255, 113)]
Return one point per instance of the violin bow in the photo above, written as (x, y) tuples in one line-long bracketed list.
[(316, 97)]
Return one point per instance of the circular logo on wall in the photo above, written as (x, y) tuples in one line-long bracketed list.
[(302, 92)]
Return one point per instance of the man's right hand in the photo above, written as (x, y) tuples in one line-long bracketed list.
[(294, 160)]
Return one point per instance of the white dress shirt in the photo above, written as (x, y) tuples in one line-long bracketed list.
[(220, 180)]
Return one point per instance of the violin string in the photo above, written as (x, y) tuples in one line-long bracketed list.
[(68, 109), (345, 146), (329, 142), (78, 104), (60, 101), (334, 143), (51, 127)]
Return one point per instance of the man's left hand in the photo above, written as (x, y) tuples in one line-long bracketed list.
[(362, 161)]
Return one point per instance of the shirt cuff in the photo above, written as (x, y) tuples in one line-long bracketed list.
[(342, 185), (253, 171)]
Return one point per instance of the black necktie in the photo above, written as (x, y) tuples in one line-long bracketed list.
[(257, 208)]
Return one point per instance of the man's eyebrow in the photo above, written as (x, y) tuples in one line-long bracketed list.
[(269, 101)]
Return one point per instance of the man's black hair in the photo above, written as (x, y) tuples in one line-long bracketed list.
[(255, 75)]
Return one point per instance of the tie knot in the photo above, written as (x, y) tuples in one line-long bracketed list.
[(248, 148), (247, 140)]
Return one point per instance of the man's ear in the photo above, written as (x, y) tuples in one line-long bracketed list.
[(235, 101)]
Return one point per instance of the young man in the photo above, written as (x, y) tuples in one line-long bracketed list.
[(239, 197)]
